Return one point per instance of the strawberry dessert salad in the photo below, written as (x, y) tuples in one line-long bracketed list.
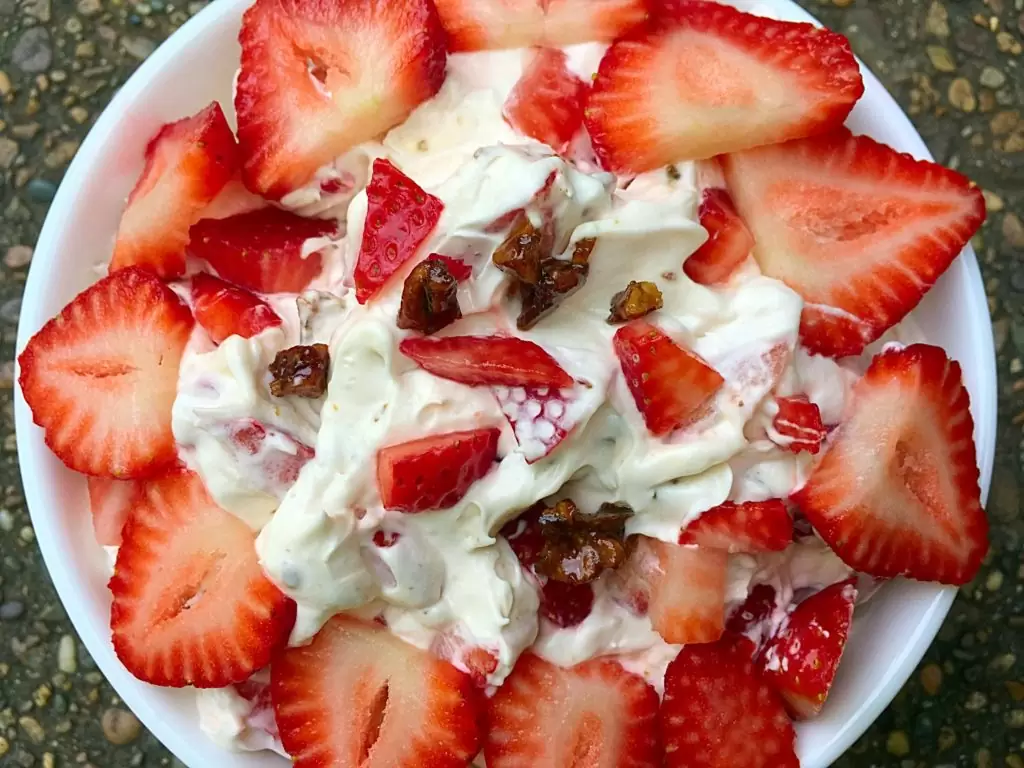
[(522, 382)]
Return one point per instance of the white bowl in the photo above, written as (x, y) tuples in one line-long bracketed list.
[(196, 65)]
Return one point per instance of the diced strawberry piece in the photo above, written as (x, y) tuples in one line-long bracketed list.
[(706, 78), (798, 424), (717, 712), (477, 662), (547, 102), (540, 417), (317, 78), (750, 526), (474, 25), (101, 376), (566, 605), (594, 714), (670, 385), (504, 361), (191, 604), (750, 619), (896, 491), (403, 707), (386, 539), (399, 217), (279, 466), (187, 164), (261, 250), (524, 537), (729, 241), (859, 230), (226, 310), (458, 269), (434, 472), (235, 198), (801, 661), (111, 502)]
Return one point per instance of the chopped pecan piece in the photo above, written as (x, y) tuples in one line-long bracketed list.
[(558, 281), (522, 251), (429, 298), (637, 300), (300, 371), (582, 250), (578, 547)]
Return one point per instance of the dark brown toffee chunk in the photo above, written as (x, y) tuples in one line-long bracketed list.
[(300, 371), (637, 300), (579, 547), (429, 298)]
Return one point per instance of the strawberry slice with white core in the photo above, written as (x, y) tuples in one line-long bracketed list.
[(595, 714), (434, 472), (541, 417), (261, 250), (503, 361), (717, 712), (474, 25), (705, 79), (749, 526), (797, 425), (399, 217), (191, 604), (801, 662), (670, 385), (858, 229), (359, 696), (729, 241), (896, 491), (226, 310), (546, 103), (187, 165), (101, 376), (111, 502), (318, 77)]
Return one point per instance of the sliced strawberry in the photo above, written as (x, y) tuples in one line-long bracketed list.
[(801, 662), (718, 713), (235, 198), (261, 250), (403, 707), (187, 164), (859, 230), (594, 714), (751, 526), (226, 310), (474, 25), (547, 102), (191, 604), (434, 472), (729, 241), (706, 79), (101, 376), (540, 417), (798, 425), (670, 385), (750, 619), (505, 361), (317, 78), (458, 269), (896, 491), (566, 605), (111, 502)]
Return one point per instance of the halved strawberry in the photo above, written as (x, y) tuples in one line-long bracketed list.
[(505, 361), (705, 78), (859, 230), (670, 385), (187, 164), (750, 526), (801, 661), (729, 241), (399, 217), (434, 472), (717, 712), (111, 502), (359, 696), (896, 491), (547, 102), (101, 376), (261, 250), (474, 25), (798, 424), (191, 604), (226, 310), (317, 78), (595, 714)]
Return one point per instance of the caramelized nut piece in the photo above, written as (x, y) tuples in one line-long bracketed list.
[(300, 371), (429, 298), (637, 300), (522, 251), (577, 547), (558, 281), (582, 250)]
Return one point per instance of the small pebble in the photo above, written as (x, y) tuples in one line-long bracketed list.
[(49, 761), (67, 655), (961, 95), (992, 78), (32, 729), (41, 696), (27, 534), (11, 610), (5, 746), (994, 581), (18, 256), (931, 678), (120, 726), (897, 744), (41, 190), (941, 58), (33, 52)]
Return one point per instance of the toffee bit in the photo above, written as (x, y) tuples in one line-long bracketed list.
[(559, 280), (637, 300), (522, 251), (582, 250), (673, 173), (300, 371), (430, 299), (577, 548)]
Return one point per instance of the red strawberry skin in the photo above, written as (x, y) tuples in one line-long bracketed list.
[(859, 230), (595, 714), (226, 310), (111, 503), (187, 165), (102, 375), (434, 472), (318, 77), (505, 361), (729, 241), (191, 604), (261, 250), (704, 79), (547, 102), (750, 526), (896, 491), (799, 422)]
